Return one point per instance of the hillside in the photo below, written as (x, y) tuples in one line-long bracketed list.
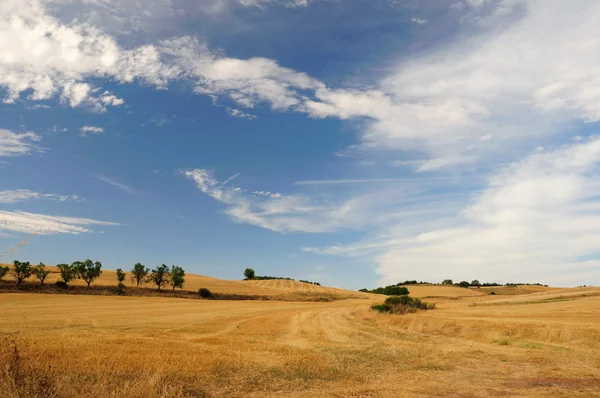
[(193, 282)]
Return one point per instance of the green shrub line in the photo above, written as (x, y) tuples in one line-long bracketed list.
[(392, 290)]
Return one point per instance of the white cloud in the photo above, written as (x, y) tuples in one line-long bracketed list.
[(239, 114), (268, 209), (46, 225), (21, 195), (17, 144), (115, 183), (322, 213), (535, 219), (419, 21), (91, 129)]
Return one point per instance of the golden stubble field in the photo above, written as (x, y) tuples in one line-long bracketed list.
[(542, 343)]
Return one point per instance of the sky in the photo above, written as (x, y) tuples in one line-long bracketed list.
[(357, 143)]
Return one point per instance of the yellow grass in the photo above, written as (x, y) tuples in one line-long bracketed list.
[(105, 346), (280, 288)]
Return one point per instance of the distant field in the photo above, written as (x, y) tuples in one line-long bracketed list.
[(193, 282), (477, 346)]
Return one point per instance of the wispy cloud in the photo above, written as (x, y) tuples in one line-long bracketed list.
[(21, 195), (18, 144), (356, 181), (47, 225), (233, 177), (115, 183)]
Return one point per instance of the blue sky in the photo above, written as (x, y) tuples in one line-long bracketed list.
[(356, 143)]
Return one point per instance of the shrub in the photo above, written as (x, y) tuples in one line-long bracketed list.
[(61, 284), (404, 300), (464, 284), (493, 293), (204, 293), (121, 288), (402, 305), (382, 307), (3, 271)]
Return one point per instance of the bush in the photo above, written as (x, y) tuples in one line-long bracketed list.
[(204, 293), (121, 288), (404, 300), (382, 307), (402, 305), (493, 293), (61, 284)]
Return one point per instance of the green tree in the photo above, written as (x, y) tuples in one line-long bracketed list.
[(475, 282), (22, 271), (177, 276), (249, 273), (3, 271), (159, 276), (88, 270), (67, 273), (464, 284), (139, 273), (120, 275), (40, 272), (447, 282)]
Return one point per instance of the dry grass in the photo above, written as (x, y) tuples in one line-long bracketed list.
[(276, 289), (98, 346)]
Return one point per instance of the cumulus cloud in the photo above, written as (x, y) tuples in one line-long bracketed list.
[(46, 57), (47, 225), (536, 217), (17, 144), (21, 195)]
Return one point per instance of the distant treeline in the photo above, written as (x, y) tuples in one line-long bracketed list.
[(389, 290), (392, 290), (267, 278), (250, 275), (413, 282)]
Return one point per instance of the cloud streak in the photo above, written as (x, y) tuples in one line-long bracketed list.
[(22, 195), (114, 183), (47, 225)]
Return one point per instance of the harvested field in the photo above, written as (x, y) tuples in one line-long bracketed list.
[(99, 346)]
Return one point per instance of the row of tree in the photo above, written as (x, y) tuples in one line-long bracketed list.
[(89, 270), (476, 283), (250, 275)]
